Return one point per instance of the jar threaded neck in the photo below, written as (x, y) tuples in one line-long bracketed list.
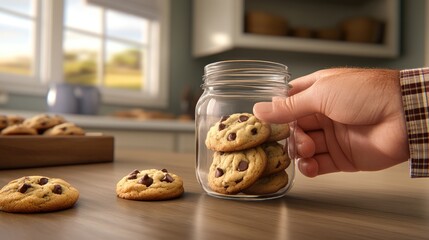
[(246, 72)]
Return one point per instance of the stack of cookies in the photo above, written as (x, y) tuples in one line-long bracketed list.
[(42, 124), (248, 157)]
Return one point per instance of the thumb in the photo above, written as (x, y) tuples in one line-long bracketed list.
[(287, 109)]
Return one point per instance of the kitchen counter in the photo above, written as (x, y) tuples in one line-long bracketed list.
[(366, 205), (162, 134)]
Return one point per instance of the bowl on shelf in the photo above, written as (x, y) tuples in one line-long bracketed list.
[(264, 23), (362, 30)]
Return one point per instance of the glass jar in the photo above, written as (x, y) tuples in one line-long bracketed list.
[(237, 155)]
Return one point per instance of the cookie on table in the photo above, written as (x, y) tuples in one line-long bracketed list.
[(58, 119), (231, 172), (18, 129), (14, 120), (33, 194), (279, 132), (40, 122), (268, 184), (3, 121), (236, 132), (65, 129), (277, 158), (150, 185)]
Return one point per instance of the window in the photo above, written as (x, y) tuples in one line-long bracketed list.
[(19, 34), (107, 43)]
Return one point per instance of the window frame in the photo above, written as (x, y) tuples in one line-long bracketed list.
[(49, 61)]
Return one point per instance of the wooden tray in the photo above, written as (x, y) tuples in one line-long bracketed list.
[(39, 151)]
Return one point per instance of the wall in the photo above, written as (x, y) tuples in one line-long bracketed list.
[(187, 71), (412, 45)]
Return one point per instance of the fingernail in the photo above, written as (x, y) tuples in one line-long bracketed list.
[(263, 107)]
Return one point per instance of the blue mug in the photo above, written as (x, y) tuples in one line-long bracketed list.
[(73, 99)]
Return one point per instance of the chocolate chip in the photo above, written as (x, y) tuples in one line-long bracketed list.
[(238, 181), (24, 187), (164, 170), (232, 136), (134, 172), (57, 189), (243, 118), (63, 129), (278, 164), (43, 181), (242, 166), (132, 176), (221, 127), (223, 118), (167, 178), (146, 180), (219, 172), (254, 131)]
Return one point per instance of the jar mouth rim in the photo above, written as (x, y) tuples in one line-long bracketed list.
[(231, 72), (254, 65), (251, 61)]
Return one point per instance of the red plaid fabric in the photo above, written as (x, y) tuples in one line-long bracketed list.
[(415, 98)]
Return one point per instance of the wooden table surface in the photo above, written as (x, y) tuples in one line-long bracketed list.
[(372, 205)]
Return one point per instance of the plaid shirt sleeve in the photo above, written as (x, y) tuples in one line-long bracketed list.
[(415, 98)]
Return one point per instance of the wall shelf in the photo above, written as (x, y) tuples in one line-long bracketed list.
[(219, 26)]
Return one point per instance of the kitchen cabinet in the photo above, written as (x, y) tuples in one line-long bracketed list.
[(220, 25)]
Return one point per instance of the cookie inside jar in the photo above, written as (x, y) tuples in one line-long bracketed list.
[(249, 156)]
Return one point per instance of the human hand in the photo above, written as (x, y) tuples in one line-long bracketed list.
[(348, 119)]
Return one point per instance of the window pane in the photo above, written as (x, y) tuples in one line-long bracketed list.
[(81, 54), (127, 26), (26, 7), (16, 48), (82, 16), (123, 66)]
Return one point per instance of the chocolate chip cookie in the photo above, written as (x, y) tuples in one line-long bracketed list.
[(65, 129), (279, 132), (277, 158), (268, 184), (236, 132), (14, 119), (150, 184), (32, 194), (18, 129), (231, 172), (40, 122), (3, 122)]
